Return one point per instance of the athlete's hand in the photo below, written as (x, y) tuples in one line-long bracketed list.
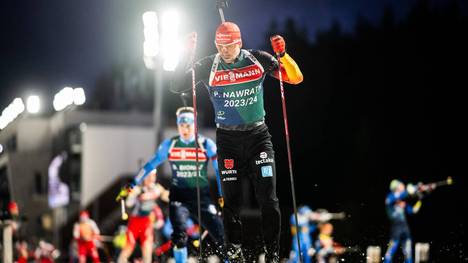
[(124, 192), (278, 44), (221, 202), (417, 206), (159, 224)]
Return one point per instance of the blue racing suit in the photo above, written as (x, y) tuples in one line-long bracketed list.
[(305, 231), (397, 208), (183, 191)]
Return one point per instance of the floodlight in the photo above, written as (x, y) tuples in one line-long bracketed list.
[(33, 104)]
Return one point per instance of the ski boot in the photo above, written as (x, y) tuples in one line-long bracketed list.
[(250, 255), (272, 253), (234, 253)]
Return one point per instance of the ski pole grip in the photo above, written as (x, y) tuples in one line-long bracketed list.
[(221, 4)]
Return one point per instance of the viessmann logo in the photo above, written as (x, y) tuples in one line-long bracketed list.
[(237, 76), (186, 154)]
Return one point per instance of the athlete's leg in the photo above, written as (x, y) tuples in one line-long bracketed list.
[(93, 252), (263, 170), (128, 248), (231, 167), (147, 246), (391, 250), (82, 251), (407, 247), (178, 215), (213, 223), (232, 188), (306, 247)]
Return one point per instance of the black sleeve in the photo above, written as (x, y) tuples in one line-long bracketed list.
[(182, 77), (268, 62)]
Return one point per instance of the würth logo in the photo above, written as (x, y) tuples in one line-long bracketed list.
[(237, 76), (229, 163)]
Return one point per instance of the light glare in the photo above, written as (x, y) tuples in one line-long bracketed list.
[(150, 19), (10, 113), (33, 104), (68, 96), (170, 20), (170, 46), (151, 34), (150, 49), (79, 97), (171, 61)]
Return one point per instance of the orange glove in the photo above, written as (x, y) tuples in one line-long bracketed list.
[(278, 44)]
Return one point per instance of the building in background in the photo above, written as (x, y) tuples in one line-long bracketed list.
[(53, 166)]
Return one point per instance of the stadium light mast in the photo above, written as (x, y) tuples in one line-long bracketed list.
[(160, 53)]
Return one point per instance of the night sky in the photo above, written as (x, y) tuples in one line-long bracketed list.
[(48, 45), (376, 104)]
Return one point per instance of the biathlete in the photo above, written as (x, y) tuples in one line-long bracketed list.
[(86, 234), (181, 154), (234, 79), (397, 209), (143, 216)]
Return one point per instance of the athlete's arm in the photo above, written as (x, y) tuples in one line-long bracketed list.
[(164, 196), (160, 156), (415, 208), (182, 77), (76, 231), (132, 197), (95, 228), (394, 197), (158, 214), (290, 71), (211, 152)]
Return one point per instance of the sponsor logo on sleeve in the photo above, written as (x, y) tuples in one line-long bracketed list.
[(264, 159), (267, 171)]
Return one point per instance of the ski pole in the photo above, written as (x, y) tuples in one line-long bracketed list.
[(220, 4), (288, 147), (195, 126), (122, 209)]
